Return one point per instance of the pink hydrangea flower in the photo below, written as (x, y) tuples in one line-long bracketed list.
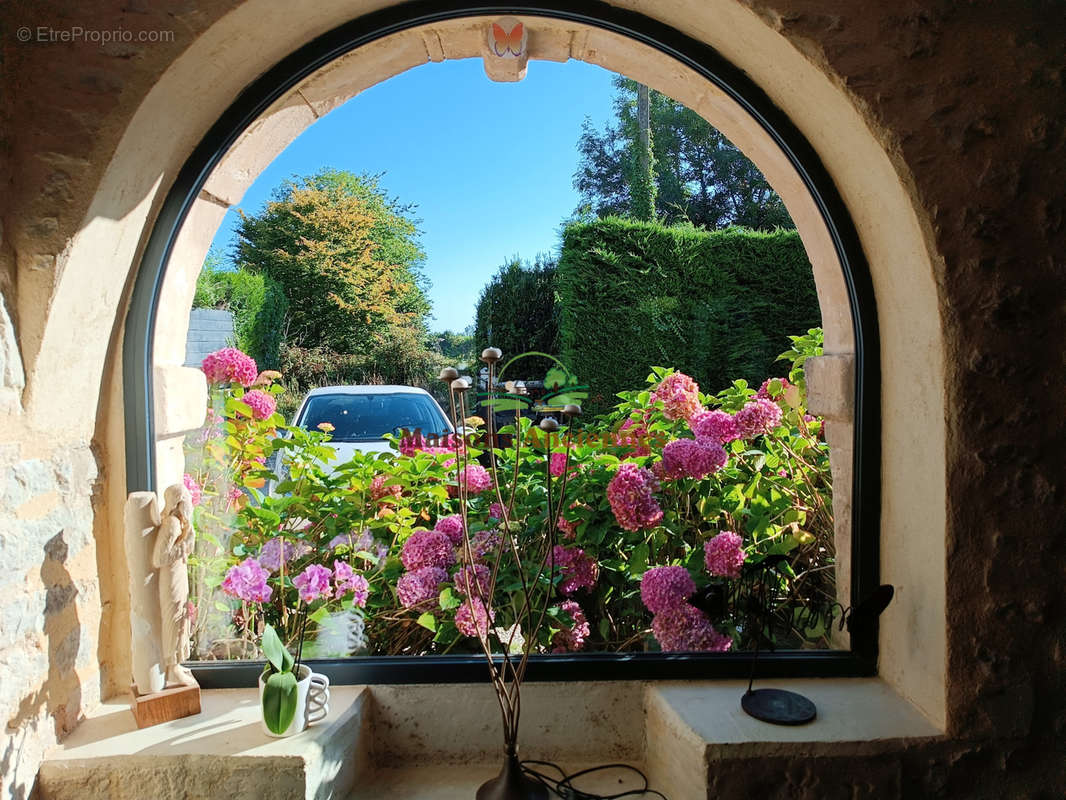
[(195, 492), (314, 582), (557, 464), (692, 458), (715, 426), (427, 549), (634, 435), (568, 640), (686, 629), (496, 511), (346, 580), (666, 588), (262, 404), (420, 586), (472, 619), (473, 579), (758, 416), (579, 570), (631, 493), (271, 552), (724, 555), (230, 365), (764, 390), (378, 489), (452, 527), (485, 543), (247, 581), (476, 478), (679, 394)]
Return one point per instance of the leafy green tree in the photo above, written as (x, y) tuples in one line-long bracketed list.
[(458, 349), (517, 310), (700, 176), (347, 258)]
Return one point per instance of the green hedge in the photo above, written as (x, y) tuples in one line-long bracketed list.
[(258, 306), (517, 312), (717, 305)]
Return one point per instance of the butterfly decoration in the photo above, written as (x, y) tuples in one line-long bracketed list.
[(507, 44)]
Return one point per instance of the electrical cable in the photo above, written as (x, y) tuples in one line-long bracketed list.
[(564, 787)]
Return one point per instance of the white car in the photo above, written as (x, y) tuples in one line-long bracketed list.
[(362, 415)]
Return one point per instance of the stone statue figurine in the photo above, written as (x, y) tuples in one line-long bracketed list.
[(170, 556)]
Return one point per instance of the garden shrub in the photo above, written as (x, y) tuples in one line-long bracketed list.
[(669, 498), (712, 304), (258, 306)]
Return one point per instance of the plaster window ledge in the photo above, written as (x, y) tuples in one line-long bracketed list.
[(442, 742)]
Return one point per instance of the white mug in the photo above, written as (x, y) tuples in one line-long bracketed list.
[(312, 702)]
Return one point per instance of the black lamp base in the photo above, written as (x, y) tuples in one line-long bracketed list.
[(512, 784), (778, 707)]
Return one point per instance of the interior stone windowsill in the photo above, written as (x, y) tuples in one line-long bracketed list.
[(380, 737)]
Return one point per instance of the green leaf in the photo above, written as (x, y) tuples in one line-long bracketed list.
[(273, 648), (449, 600), (428, 621), (279, 701), (638, 561)]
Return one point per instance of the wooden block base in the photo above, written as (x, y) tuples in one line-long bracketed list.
[(174, 703)]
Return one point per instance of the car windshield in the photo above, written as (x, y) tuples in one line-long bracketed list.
[(368, 417)]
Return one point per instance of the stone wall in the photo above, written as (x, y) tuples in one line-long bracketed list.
[(966, 101)]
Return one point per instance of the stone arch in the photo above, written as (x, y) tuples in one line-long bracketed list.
[(95, 272)]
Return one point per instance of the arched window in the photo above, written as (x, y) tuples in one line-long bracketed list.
[(825, 217)]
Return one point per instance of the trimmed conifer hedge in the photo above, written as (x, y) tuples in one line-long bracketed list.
[(258, 305), (717, 305)]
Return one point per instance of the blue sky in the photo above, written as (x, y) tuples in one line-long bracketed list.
[(490, 165)]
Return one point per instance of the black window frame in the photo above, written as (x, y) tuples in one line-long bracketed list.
[(255, 99)]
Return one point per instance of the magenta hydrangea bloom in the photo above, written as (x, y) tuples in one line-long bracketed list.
[(476, 478), (473, 579), (452, 527), (764, 390), (666, 588), (420, 586), (346, 580), (686, 629), (230, 365), (758, 416), (724, 555), (568, 640), (579, 570), (415, 443), (496, 511), (679, 394), (247, 581), (262, 404), (557, 464), (692, 458), (195, 492), (472, 619), (715, 426), (633, 435), (631, 493), (314, 582), (485, 543), (427, 549), (271, 551)]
